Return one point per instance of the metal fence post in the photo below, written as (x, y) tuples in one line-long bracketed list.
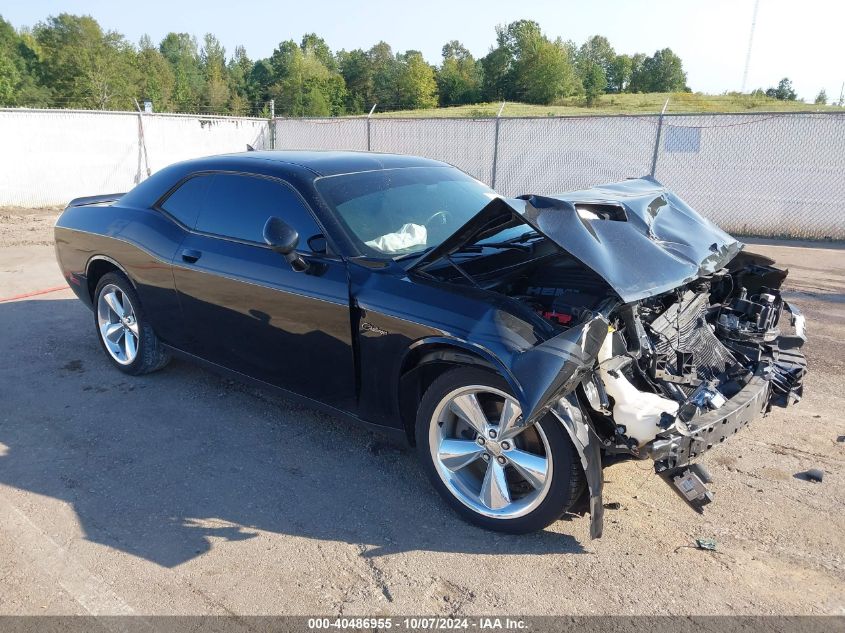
[(657, 139), (272, 124), (142, 143), (373, 109), (496, 146)]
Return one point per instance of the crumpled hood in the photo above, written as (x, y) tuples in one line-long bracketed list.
[(637, 235)]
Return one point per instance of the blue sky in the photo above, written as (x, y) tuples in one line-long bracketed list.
[(801, 40)]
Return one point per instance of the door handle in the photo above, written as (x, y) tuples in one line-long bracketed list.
[(191, 256)]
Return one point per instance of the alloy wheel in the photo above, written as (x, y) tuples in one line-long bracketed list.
[(118, 324), (483, 455)]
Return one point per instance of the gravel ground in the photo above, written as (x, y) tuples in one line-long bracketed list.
[(184, 493), (26, 227)]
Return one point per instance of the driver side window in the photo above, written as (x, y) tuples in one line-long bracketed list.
[(237, 206)]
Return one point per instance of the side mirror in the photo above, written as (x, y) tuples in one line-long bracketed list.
[(283, 239)]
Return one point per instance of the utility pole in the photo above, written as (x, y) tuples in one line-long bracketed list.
[(272, 108), (750, 42)]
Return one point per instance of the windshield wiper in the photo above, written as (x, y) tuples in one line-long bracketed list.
[(514, 242), (528, 235)]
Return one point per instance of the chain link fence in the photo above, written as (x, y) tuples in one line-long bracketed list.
[(778, 175), (765, 174), (773, 175)]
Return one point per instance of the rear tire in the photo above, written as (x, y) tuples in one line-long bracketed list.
[(493, 474), (122, 328)]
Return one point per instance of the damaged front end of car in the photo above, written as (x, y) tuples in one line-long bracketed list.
[(669, 338)]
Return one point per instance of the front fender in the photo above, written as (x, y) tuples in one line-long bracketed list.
[(547, 375), (539, 375), (552, 369)]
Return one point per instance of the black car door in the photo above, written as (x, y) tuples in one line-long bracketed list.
[(244, 307)]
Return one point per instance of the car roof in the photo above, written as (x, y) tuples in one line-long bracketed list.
[(330, 162), (279, 163)]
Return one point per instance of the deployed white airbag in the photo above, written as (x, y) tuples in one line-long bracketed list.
[(408, 236)]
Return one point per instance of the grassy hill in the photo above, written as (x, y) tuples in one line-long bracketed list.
[(622, 104)]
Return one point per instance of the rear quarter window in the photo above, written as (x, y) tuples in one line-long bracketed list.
[(185, 203)]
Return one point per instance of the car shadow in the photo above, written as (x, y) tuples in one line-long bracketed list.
[(167, 466)]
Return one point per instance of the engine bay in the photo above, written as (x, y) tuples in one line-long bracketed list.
[(668, 359)]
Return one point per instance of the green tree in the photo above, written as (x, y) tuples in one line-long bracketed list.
[(69, 60), (180, 50), (821, 98), (261, 77), (84, 66), (594, 81), (292, 81), (415, 82), (496, 71), (283, 58), (516, 36), (526, 66), (498, 65), (8, 35), (596, 51), (213, 64), (385, 71), (356, 69), (31, 90), (155, 76), (311, 44), (9, 79), (304, 85), (637, 61), (11, 66), (784, 91), (238, 71), (459, 77), (544, 72), (619, 75), (662, 72)]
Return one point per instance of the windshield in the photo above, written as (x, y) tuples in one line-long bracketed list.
[(399, 212)]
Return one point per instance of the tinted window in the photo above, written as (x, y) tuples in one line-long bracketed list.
[(238, 207), (185, 203)]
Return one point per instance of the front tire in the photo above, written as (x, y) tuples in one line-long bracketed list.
[(494, 474), (122, 328)]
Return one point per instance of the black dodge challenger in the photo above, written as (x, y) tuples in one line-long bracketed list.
[(516, 342)]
